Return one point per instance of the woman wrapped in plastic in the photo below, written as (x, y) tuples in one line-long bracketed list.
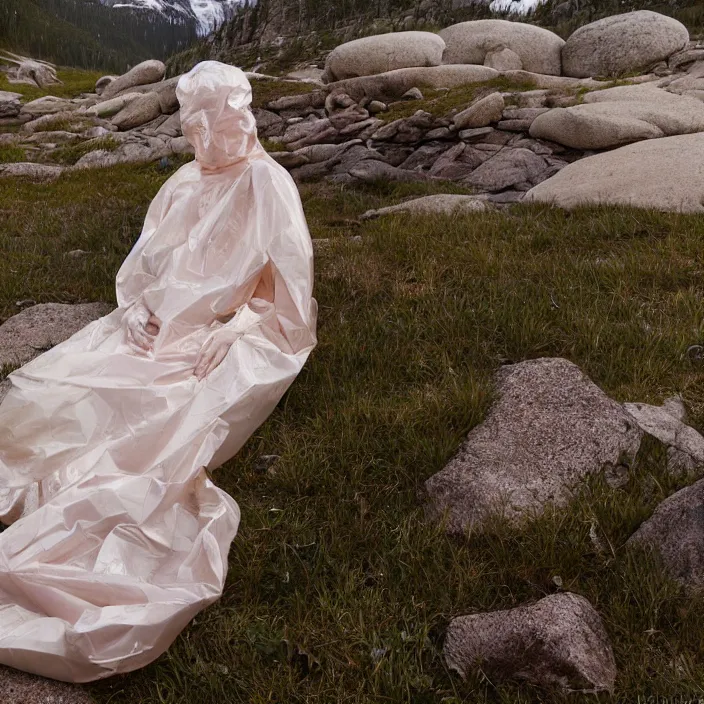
[(117, 537)]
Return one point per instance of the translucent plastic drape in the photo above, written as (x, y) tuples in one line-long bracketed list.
[(117, 536)]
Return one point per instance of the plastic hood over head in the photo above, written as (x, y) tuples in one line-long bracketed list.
[(215, 114)]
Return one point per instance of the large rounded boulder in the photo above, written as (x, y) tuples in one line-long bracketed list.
[(142, 74), (621, 44), (486, 42), (384, 52), (660, 174)]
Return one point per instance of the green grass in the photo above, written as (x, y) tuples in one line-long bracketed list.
[(265, 91), (69, 154), (334, 560), (75, 82), (11, 154)]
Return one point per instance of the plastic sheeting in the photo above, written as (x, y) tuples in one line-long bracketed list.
[(118, 537)]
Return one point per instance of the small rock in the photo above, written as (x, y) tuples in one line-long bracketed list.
[(439, 133), (676, 532), (369, 171), (34, 172), (376, 106), (77, 253), (412, 94), (481, 113), (440, 204), (265, 464), (560, 641), (477, 133), (665, 423)]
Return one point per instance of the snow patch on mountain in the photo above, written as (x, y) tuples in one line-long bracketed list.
[(518, 7), (208, 14)]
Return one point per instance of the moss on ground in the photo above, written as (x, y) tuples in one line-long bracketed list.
[(265, 91), (441, 102), (338, 588)]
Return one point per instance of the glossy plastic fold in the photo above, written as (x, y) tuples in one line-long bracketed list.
[(117, 537)]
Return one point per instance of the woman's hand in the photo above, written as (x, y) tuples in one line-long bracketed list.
[(142, 327), (218, 343), (214, 350)]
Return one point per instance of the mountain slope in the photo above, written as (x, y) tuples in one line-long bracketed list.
[(88, 34), (207, 14)]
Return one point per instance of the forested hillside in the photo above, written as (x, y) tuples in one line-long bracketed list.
[(87, 34)]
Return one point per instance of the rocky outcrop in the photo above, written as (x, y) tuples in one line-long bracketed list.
[(548, 430), (622, 44), (142, 74), (560, 641), (663, 174), (490, 41), (40, 74), (613, 123), (384, 52), (392, 85), (31, 171), (675, 532), (48, 105), (10, 104), (439, 204)]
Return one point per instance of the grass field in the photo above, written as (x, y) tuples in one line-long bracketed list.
[(339, 590)]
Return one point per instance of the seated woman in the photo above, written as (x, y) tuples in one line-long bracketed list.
[(117, 536)]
